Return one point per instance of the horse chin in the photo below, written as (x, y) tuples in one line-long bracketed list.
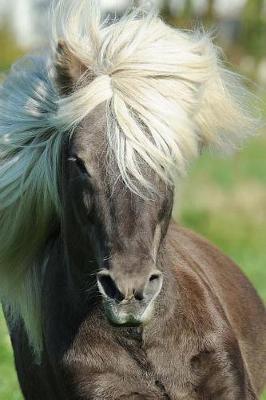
[(117, 316), (128, 324)]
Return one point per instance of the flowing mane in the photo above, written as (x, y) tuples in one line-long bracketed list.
[(167, 96)]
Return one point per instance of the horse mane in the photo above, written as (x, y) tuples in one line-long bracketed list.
[(167, 97)]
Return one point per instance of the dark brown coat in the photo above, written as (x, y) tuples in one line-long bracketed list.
[(206, 336), (207, 341)]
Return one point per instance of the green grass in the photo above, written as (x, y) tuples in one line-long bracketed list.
[(8, 382), (9, 50), (225, 200)]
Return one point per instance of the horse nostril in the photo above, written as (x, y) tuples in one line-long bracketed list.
[(154, 284), (155, 276), (109, 287), (138, 295)]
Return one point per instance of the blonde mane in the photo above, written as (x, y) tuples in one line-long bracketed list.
[(167, 97)]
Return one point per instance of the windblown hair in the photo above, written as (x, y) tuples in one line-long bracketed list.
[(167, 97)]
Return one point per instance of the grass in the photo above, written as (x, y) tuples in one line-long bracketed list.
[(9, 50), (8, 382), (225, 200)]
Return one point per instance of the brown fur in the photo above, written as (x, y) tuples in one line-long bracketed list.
[(206, 338)]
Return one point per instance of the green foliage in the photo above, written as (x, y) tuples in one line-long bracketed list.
[(9, 50), (253, 36)]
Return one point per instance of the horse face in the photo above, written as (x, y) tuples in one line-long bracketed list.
[(116, 229)]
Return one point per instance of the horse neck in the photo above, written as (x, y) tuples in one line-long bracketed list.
[(169, 292)]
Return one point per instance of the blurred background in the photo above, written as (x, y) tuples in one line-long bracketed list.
[(223, 199)]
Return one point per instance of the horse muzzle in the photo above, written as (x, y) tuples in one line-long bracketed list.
[(130, 303)]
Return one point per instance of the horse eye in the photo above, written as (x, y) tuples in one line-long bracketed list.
[(80, 164)]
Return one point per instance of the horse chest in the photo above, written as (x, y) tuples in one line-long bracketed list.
[(171, 365), (167, 365), (159, 371)]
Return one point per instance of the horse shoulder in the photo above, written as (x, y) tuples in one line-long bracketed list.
[(218, 289)]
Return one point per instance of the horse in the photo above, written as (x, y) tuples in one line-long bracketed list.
[(105, 297)]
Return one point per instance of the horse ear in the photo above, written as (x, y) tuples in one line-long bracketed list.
[(69, 69)]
